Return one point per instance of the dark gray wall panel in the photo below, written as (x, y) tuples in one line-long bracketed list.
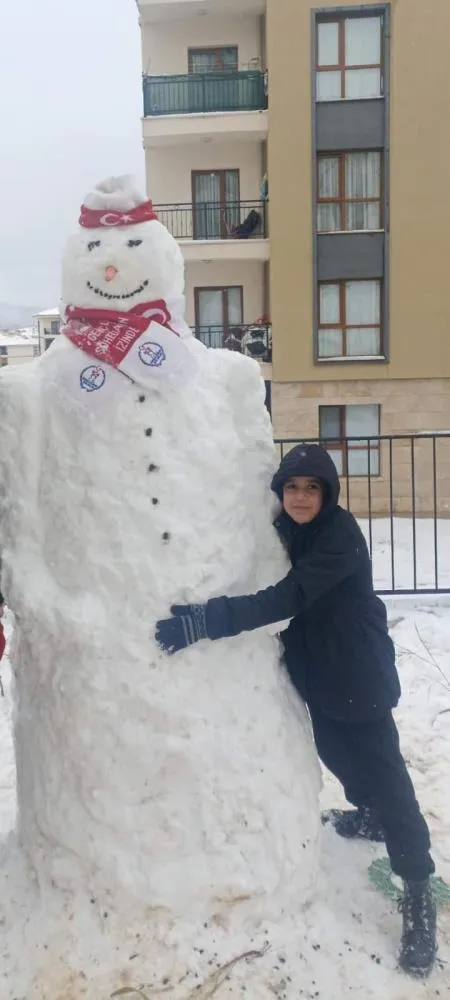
[(344, 125), (350, 255)]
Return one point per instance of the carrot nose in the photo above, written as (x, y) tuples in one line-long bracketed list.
[(110, 272)]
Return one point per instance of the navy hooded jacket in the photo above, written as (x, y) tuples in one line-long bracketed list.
[(338, 651)]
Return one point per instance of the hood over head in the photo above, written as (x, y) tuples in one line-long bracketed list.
[(309, 460)]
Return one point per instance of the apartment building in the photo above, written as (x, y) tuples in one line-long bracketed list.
[(298, 151)]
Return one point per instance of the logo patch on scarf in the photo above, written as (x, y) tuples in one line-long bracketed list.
[(92, 378), (152, 354)]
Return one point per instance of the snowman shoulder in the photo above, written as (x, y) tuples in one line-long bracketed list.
[(240, 373)]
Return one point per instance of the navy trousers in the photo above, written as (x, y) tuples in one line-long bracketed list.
[(366, 758)]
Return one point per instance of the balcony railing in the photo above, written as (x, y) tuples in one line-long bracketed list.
[(197, 93), (212, 220), (255, 340)]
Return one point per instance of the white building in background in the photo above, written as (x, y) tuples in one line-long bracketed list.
[(18, 346), (48, 327)]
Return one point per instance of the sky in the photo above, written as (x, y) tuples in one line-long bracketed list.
[(70, 107)]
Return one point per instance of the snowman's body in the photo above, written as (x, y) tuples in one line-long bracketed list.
[(188, 784)]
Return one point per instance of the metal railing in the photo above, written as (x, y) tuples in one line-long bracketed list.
[(197, 93), (214, 220), (398, 486), (254, 340)]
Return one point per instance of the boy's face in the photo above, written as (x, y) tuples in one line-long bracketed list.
[(302, 498)]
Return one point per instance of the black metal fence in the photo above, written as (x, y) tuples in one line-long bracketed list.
[(199, 93), (398, 486), (212, 220), (255, 340)]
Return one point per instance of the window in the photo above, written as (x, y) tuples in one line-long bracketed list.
[(349, 320), (345, 431), (349, 191), (214, 60), (54, 327), (349, 58), (215, 196), (219, 314)]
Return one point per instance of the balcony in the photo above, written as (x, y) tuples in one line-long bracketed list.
[(215, 231), (254, 341), (224, 104)]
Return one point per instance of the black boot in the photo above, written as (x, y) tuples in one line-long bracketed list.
[(418, 950), (352, 823)]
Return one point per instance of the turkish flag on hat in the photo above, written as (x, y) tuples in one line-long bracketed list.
[(115, 202)]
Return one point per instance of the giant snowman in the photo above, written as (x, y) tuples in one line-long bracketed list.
[(167, 807)]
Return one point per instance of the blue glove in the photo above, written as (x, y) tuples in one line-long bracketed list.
[(187, 626)]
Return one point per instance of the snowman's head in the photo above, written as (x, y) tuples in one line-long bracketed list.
[(121, 256)]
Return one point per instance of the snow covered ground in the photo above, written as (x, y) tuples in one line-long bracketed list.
[(353, 930)]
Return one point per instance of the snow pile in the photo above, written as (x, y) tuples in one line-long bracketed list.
[(347, 942)]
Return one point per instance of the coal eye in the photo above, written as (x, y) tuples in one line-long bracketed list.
[(94, 244), (134, 243)]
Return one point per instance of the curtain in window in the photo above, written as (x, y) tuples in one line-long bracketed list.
[(328, 85), (362, 48), (232, 198), (207, 209), (362, 302), (330, 343), (213, 60), (328, 216), (362, 180), (363, 305), (362, 421), (328, 43), (219, 309), (362, 41)]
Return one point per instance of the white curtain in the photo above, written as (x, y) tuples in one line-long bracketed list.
[(362, 302), (362, 41), (328, 216), (362, 48), (210, 307), (330, 344), (363, 306), (328, 43), (362, 83), (328, 85), (329, 304), (207, 215), (362, 421), (362, 180), (213, 60)]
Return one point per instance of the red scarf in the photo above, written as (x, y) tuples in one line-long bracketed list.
[(109, 335)]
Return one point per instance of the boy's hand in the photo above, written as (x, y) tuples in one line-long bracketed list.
[(186, 627)]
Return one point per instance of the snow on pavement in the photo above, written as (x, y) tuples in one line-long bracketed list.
[(354, 931)]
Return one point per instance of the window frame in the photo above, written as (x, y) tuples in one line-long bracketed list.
[(342, 200), (344, 326), (340, 17), (224, 289), (197, 50), (223, 203), (341, 443)]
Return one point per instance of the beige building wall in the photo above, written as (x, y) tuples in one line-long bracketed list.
[(169, 170), (419, 205), (165, 46), (249, 274)]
